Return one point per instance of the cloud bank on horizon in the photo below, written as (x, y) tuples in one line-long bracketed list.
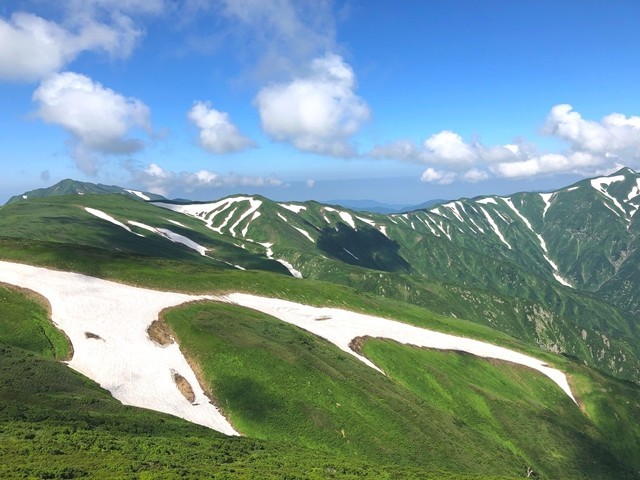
[(300, 91)]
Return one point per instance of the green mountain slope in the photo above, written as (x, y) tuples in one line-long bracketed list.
[(74, 187), (505, 262), (311, 411)]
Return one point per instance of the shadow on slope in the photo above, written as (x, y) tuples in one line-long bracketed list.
[(366, 247)]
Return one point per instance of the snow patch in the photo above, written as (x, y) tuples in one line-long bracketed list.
[(293, 208), (543, 244), (127, 362), (600, 183), (282, 217), (546, 198), (172, 236), (254, 206), (453, 206), (181, 239), (292, 270), (340, 327), (177, 223), (635, 191), (348, 219), (368, 221), (486, 201), (306, 234), (495, 227), (562, 280), (104, 216), (138, 194), (207, 212)]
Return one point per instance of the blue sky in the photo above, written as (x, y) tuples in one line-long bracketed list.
[(399, 102)]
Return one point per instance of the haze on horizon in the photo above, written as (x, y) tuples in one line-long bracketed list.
[(318, 100)]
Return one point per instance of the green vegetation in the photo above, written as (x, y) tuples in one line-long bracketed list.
[(311, 410), (435, 409), (470, 276), (57, 424), (24, 323)]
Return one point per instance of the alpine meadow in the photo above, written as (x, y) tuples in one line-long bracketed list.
[(429, 344), (319, 239)]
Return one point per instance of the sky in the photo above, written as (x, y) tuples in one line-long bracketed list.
[(398, 102)]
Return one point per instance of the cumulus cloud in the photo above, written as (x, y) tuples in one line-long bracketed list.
[(576, 162), (615, 134), (593, 147), (445, 148), (440, 177), (217, 134), (97, 119), (32, 47), (318, 112), (475, 175), (158, 180)]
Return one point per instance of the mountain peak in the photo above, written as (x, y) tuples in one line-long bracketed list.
[(69, 186)]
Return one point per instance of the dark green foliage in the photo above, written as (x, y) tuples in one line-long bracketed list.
[(365, 247)]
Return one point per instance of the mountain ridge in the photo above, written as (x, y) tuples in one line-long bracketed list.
[(481, 269)]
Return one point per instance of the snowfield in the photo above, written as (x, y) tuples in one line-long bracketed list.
[(124, 360), (107, 324)]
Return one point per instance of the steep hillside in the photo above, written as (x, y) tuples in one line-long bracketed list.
[(557, 269), (318, 411)]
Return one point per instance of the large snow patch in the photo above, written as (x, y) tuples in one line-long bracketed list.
[(107, 324)]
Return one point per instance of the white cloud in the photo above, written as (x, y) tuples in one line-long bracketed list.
[(593, 147), (158, 180), (311, 183), (440, 177), (615, 134), (449, 148), (318, 112), (97, 119), (217, 134), (445, 148), (576, 162), (475, 175), (32, 47), (402, 150)]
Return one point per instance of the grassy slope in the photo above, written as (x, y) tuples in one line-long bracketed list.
[(55, 423), (187, 277), (24, 322), (547, 316), (63, 220), (438, 410)]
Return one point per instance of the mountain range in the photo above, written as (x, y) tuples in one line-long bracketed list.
[(552, 275)]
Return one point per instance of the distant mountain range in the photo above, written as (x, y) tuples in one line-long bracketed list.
[(384, 208), (554, 274)]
